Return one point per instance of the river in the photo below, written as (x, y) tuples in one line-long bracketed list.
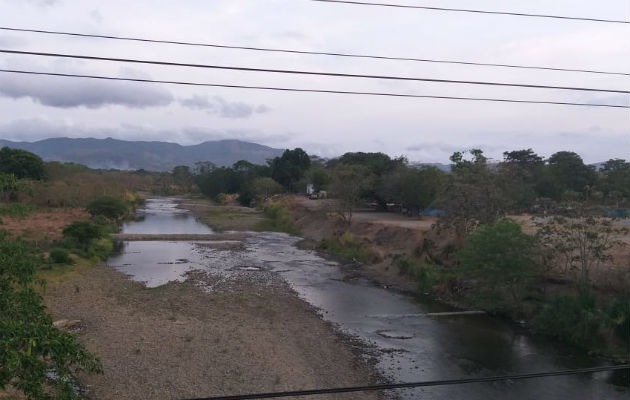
[(408, 348)]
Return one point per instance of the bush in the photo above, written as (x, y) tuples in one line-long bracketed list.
[(618, 313), (428, 277), (574, 319), (82, 233), (60, 256), (279, 219), (350, 247), (108, 207), (31, 346), (499, 255), (18, 210)]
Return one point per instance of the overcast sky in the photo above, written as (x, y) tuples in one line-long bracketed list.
[(33, 108)]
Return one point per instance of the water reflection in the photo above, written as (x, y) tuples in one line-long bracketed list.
[(440, 348)]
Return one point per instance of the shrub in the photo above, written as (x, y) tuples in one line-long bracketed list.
[(82, 233), (618, 313), (500, 254), (108, 207), (350, 247), (60, 256), (574, 319), (31, 346), (18, 210), (279, 219)]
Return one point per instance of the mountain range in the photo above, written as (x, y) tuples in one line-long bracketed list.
[(152, 156)]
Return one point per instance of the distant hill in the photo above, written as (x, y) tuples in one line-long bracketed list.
[(152, 156), (440, 166)]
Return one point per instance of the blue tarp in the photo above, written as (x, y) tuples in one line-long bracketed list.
[(433, 212), (617, 213)]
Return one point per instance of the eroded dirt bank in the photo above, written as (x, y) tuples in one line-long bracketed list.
[(177, 341)]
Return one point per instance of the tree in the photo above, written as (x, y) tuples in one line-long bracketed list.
[(265, 187), (378, 166), (347, 183), (499, 254), (203, 167), (21, 163), (615, 182), (569, 172), (414, 187), (183, 176), (31, 346), (219, 180), (474, 196), (521, 170), (579, 244), (290, 167)]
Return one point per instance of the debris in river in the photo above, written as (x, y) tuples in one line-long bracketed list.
[(395, 334)]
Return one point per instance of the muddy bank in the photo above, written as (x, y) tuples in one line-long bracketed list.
[(179, 341)]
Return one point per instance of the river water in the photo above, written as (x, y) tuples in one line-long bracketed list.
[(408, 347)]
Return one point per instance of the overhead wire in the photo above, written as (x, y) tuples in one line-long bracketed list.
[(390, 386), (466, 10), (319, 53), (311, 73), (286, 89)]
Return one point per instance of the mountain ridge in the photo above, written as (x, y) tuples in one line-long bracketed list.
[(112, 153)]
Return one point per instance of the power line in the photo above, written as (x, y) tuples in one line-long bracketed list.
[(413, 384), (319, 53), (284, 89), (464, 10), (311, 73)]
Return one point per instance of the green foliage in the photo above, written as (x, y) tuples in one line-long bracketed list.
[(278, 219), (264, 188), (31, 346), (349, 247), (618, 313), (568, 172), (377, 168), (219, 180), (414, 187), (108, 207), (498, 255), (9, 185), (60, 256), (475, 195), (427, 276), (290, 167), (574, 319), (21, 163), (18, 210), (615, 182), (347, 185), (82, 233)]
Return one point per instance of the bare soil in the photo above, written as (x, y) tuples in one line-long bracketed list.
[(45, 224), (177, 341)]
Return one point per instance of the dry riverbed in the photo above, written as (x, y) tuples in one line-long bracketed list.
[(179, 341), (183, 340)]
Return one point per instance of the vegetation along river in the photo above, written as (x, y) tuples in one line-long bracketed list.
[(408, 345)]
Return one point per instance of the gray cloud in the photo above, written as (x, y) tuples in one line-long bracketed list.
[(74, 92), (44, 3), (223, 108), (96, 16), (12, 41)]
